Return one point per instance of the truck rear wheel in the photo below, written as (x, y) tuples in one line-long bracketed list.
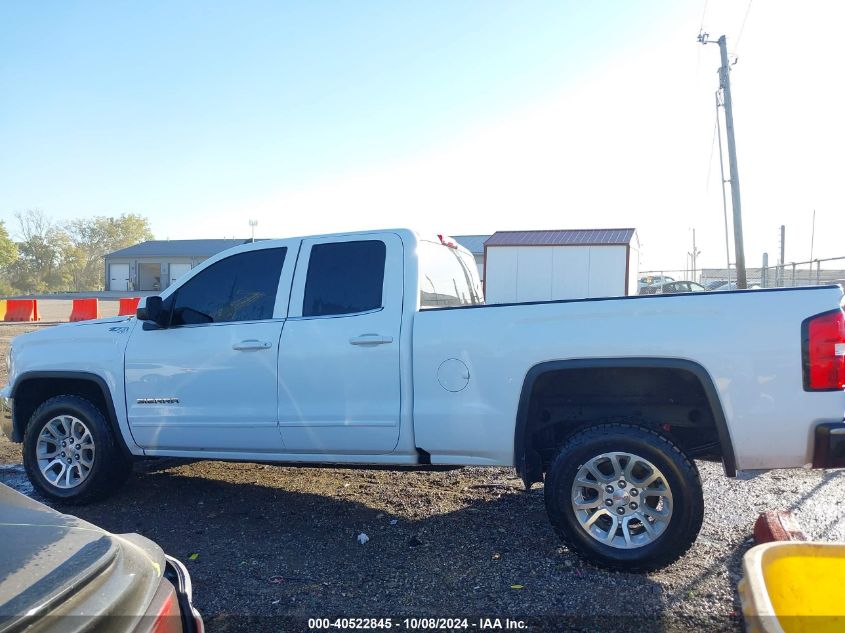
[(70, 453), (624, 497)]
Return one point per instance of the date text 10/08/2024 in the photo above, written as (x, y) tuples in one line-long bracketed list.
[(449, 624)]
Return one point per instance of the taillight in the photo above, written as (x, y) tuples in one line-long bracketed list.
[(167, 616), (824, 351)]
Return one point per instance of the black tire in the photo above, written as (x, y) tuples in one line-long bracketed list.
[(680, 474), (110, 466)]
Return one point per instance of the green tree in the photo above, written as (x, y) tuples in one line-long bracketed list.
[(93, 238), (8, 249), (41, 254), (8, 255)]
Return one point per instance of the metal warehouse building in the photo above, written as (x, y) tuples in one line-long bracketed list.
[(154, 265), (572, 264)]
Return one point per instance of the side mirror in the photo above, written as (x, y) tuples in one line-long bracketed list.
[(153, 310)]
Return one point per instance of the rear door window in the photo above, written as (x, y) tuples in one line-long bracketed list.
[(344, 278)]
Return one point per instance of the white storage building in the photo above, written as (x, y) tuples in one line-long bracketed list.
[(571, 264)]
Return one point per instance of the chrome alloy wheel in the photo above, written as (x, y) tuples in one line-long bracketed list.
[(65, 452), (622, 500)]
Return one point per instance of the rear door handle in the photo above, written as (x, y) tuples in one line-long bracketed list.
[(251, 344), (370, 339)]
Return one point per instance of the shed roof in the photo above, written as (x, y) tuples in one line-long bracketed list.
[(177, 248), (473, 243), (572, 237)]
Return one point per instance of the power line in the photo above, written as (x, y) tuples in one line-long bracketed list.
[(742, 26), (724, 196), (712, 147), (700, 33), (703, 13)]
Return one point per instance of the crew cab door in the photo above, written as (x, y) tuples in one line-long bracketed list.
[(208, 381), (339, 356)]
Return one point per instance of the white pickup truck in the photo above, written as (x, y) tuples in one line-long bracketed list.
[(376, 348)]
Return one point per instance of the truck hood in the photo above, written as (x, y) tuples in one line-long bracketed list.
[(117, 325), (56, 564)]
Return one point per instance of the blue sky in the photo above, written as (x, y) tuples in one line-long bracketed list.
[(162, 98), (317, 116)]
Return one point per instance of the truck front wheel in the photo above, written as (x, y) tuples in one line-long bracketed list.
[(70, 453), (624, 497)]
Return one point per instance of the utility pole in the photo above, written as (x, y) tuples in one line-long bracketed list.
[(693, 258), (695, 253), (782, 254), (812, 238), (727, 104), (764, 271)]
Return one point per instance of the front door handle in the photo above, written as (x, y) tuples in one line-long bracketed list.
[(251, 344), (370, 339)]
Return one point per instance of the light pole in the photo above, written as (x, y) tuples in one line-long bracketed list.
[(252, 225), (693, 256)]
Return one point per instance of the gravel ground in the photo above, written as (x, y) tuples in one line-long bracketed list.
[(279, 541)]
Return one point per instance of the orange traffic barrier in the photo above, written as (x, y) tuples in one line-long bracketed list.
[(21, 310), (128, 306), (85, 309)]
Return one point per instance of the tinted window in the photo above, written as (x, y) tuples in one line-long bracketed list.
[(447, 277), (239, 288), (344, 277)]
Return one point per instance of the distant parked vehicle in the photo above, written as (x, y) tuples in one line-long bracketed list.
[(732, 286), (672, 288), (713, 284), (654, 280), (60, 573)]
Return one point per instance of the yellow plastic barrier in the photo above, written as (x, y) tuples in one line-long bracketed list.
[(2, 309), (794, 587)]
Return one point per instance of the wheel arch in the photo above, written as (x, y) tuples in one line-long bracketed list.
[(527, 460), (35, 387)]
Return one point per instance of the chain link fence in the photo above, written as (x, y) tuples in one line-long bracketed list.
[(817, 272)]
